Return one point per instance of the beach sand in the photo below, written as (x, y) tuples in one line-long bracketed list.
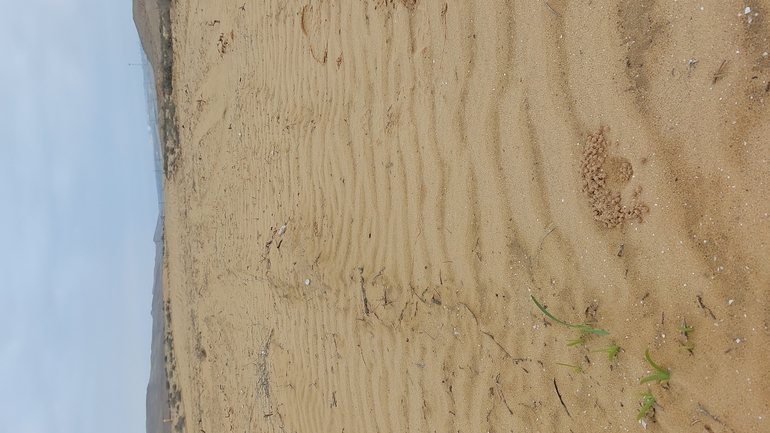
[(362, 197)]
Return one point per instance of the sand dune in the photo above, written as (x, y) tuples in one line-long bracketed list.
[(364, 196)]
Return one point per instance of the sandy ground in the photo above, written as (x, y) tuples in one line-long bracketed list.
[(364, 196)]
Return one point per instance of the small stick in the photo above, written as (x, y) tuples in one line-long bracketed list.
[(378, 274), (685, 330), (551, 9), (704, 307), (470, 311), (540, 245), (705, 412), (719, 73), (363, 292), (502, 396), (498, 344), (690, 65), (560, 399)]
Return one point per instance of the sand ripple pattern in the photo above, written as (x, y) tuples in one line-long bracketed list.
[(366, 193)]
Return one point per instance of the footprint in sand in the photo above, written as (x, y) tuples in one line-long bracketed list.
[(314, 23)]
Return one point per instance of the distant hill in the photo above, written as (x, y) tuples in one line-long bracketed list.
[(147, 19)]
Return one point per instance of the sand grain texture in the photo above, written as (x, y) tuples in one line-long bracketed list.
[(364, 195)]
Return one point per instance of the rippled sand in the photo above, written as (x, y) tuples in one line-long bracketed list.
[(363, 196)]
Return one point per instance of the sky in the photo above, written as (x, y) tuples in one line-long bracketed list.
[(78, 209)]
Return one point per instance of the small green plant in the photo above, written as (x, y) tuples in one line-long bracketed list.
[(685, 330), (575, 342), (575, 368), (663, 374), (610, 351), (584, 329), (647, 401)]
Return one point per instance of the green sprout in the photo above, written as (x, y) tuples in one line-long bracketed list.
[(610, 351), (575, 342), (575, 368), (584, 329), (663, 374), (684, 329), (647, 401)]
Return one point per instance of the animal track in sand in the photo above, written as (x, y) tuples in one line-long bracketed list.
[(603, 178), (314, 23)]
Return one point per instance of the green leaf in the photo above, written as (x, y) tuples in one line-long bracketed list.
[(647, 401), (584, 329), (663, 374), (575, 368), (610, 351), (571, 343)]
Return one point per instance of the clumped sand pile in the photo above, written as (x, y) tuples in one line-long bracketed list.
[(606, 202), (362, 197)]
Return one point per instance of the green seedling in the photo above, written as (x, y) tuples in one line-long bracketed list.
[(684, 329), (610, 351), (584, 329), (663, 374), (575, 342), (647, 401), (575, 368)]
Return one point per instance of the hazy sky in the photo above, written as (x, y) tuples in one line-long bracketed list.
[(78, 208)]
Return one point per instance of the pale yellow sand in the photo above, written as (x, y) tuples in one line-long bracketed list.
[(364, 196)]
